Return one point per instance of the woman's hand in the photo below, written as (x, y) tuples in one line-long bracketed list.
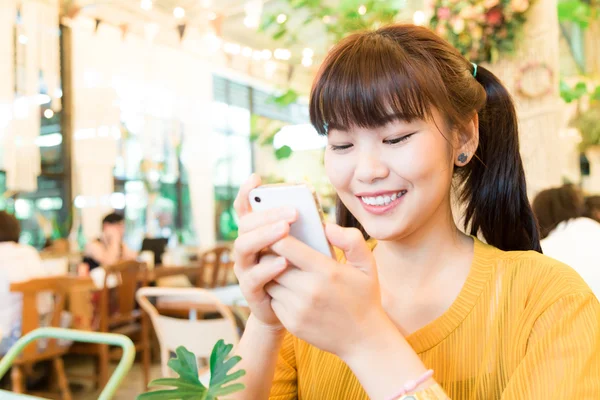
[(257, 232), (335, 307)]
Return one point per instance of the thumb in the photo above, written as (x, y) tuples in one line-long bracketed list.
[(354, 246)]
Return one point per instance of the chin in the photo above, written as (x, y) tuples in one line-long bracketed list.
[(386, 231)]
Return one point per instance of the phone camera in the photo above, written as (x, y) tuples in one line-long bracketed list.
[(257, 199)]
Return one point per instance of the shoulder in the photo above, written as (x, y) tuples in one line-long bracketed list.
[(534, 275)]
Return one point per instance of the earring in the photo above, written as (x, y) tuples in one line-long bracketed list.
[(462, 158)]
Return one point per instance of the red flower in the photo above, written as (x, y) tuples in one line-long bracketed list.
[(494, 16), (443, 13)]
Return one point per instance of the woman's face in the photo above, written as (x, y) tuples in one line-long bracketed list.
[(393, 179)]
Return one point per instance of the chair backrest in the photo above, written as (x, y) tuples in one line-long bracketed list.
[(198, 336), (55, 289), (128, 275), (219, 261)]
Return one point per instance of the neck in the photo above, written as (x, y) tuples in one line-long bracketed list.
[(424, 254)]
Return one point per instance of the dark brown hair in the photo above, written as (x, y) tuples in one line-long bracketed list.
[(10, 229), (402, 71), (553, 206), (592, 207)]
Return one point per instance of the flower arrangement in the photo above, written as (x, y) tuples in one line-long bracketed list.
[(480, 29)]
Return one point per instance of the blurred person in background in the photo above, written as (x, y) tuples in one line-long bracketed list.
[(567, 235), (18, 263), (109, 248), (592, 207)]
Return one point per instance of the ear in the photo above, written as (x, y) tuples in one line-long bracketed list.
[(468, 141)]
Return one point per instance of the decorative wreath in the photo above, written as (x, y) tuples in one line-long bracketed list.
[(535, 79), (480, 29)]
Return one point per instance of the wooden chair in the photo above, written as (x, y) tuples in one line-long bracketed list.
[(218, 264), (58, 287), (118, 314)]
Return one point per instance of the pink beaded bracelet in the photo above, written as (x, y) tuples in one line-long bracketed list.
[(412, 385)]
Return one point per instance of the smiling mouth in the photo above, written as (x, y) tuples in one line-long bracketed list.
[(382, 200)]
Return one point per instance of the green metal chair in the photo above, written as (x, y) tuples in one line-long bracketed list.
[(78, 336)]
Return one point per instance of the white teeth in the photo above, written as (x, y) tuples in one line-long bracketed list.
[(382, 200)]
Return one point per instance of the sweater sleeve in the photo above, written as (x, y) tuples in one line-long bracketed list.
[(285, 386), (562, 359)]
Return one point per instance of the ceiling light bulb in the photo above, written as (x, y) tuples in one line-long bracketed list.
[(178, 12), (48, 113), (419, 17), (307, 52), (362, 10), (281, 18)]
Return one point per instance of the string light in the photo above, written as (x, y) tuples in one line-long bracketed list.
[(48, 113), (326, 19), (178, 12), (362, 10), (23, 39), (308, 53), (247, 52), (282, 54), (266, 54), (419, 17), (256, 55), (146, 5), (307, 61), (281, 18), (212, 16)]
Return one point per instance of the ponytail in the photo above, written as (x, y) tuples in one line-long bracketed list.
[(494, 187)]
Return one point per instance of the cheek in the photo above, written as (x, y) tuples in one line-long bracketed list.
[(339, 170), (428, 161)]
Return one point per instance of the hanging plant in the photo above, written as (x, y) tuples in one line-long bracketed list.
[(480, 29)]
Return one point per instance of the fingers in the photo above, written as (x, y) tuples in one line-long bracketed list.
[(301, 255), (256, 219), (241, 203), (354, 246), (248, 245), (255, 278)]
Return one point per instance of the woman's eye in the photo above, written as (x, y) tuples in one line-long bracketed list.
[(340, 147), (398, 140)]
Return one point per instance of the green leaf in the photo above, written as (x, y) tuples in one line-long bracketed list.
[(219, 371), (283, 152), (185, 365), (596, 94), (188, 386), (575, 11)]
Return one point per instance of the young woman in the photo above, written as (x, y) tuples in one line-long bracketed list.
[(408, 120)]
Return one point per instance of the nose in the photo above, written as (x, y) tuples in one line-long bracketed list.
[(370, 167)]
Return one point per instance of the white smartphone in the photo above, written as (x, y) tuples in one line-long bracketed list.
[(309, 227)]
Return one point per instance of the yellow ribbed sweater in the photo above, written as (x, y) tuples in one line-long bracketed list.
[(524, 326)]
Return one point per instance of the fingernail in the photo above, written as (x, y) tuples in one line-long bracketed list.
[(280, 227), (281, 262), (288, 213)]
